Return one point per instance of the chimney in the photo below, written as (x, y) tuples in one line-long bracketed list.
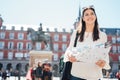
[(64, 30), (22, 28), (4, 27), (13, 28), (47, 29), (55, 29)]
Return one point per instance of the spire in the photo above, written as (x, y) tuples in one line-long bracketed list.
[(79, 14), (78, 18), (1, 21)]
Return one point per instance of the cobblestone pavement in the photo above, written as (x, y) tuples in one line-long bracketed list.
[(23, 78), (54, 78)]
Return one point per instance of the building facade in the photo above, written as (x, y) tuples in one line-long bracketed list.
[(16, 44), (113, 35)]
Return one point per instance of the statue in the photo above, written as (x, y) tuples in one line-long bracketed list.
[(40, 28), (38, 36)]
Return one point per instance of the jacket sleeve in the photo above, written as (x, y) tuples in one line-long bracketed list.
[(71, 44), (103, 37)]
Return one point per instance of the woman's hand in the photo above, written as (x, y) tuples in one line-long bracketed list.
[(72, 58), (100, 63)]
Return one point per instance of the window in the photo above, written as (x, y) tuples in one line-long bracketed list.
[(48, 47), (64, 38), (20, 45), (114, 49), (104, 30), (1, 45), (113, 40), (28, 46), (118, 49), (55, 57), (19, 55), (55, 47), (2, 35), (56, 37), (118, 32), (119, 58), (28, 37), (26, 56), (10, 55), (11, 36), (64, 46), (38, 46), (10, 45), (1, 55), (118, 39), (20, 36)]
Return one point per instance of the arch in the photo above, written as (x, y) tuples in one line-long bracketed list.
[(18, 66), (9, 66), (26, 67)]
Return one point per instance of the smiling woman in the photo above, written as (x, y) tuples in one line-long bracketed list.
[(89, 36)]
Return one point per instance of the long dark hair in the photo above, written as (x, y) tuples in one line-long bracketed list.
[(95, 30)]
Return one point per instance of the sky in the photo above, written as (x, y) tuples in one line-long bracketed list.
[(57, 13)]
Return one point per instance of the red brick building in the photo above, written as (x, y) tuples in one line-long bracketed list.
[(114, 36), (16, 44)]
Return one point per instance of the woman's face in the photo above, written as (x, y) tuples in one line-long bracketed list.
[(89, 16), (39, 63)]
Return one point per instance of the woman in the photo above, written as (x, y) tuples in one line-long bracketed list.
[(88, 34), (28, 76)]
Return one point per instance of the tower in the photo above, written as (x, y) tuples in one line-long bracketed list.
[(78, 19), (1, 21)]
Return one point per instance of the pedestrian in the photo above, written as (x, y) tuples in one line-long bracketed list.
[(4, 75), (87, 33), (33, 72), (47, 74), (38, 71), (118, 75), (28, 75)]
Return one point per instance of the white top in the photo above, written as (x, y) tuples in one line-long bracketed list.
[(83, 69)]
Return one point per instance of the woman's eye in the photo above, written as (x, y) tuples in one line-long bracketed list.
[(92, 14), (86, 14)]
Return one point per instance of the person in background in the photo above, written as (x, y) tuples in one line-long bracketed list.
[(118, 75), (28, 75), (33, 72), (47, 74), (4, 75), (38, 71), (88, 33)]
